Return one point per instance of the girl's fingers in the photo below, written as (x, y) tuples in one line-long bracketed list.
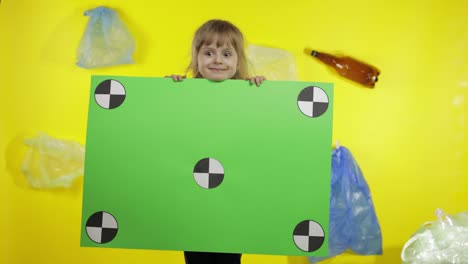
[(176, 78), (259, 80)]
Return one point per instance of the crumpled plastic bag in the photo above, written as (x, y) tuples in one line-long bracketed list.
[(52, 163), (274, 64), (353, 223), (444, 241), (106, 40)]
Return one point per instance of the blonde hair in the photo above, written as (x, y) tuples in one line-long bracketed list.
[(223, 32)]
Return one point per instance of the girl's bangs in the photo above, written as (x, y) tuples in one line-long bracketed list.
[(221, 39)]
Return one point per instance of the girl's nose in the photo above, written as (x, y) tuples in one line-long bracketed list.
[(217, 59)]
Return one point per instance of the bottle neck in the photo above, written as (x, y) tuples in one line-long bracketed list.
[(326, 58)]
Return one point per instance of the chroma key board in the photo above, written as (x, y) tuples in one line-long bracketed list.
[(208, 166)]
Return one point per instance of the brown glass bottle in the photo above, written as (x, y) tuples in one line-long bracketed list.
[(349, 68)]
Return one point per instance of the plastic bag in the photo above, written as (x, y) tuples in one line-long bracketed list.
[(106, 41), (443, 241), (51, 163), (353, 223), (274, 64)]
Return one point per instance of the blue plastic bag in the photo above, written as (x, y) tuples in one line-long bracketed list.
[(353, 223), (106, 41)]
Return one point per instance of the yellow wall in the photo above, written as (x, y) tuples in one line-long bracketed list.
[(407, 134)]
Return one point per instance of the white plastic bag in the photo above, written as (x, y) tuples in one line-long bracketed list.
[(444, 241), (51, 163), (274, 64)]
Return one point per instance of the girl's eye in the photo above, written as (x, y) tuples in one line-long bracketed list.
[(227, 54), (208, 53)]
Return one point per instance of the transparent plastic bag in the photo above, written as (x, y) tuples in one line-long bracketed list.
[(353, 223), (274, 64), (444, 241), (106, 40), (51, 163)]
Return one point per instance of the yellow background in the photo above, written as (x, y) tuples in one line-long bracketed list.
[(407, 134)]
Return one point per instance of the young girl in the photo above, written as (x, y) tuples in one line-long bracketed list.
[(217, 55)]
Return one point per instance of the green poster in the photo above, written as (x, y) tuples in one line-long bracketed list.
[(205, 166)]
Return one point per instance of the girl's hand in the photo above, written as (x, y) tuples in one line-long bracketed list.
[(176, 78), (257, 80)]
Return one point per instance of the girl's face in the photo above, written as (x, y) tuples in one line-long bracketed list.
[(217, 63)]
